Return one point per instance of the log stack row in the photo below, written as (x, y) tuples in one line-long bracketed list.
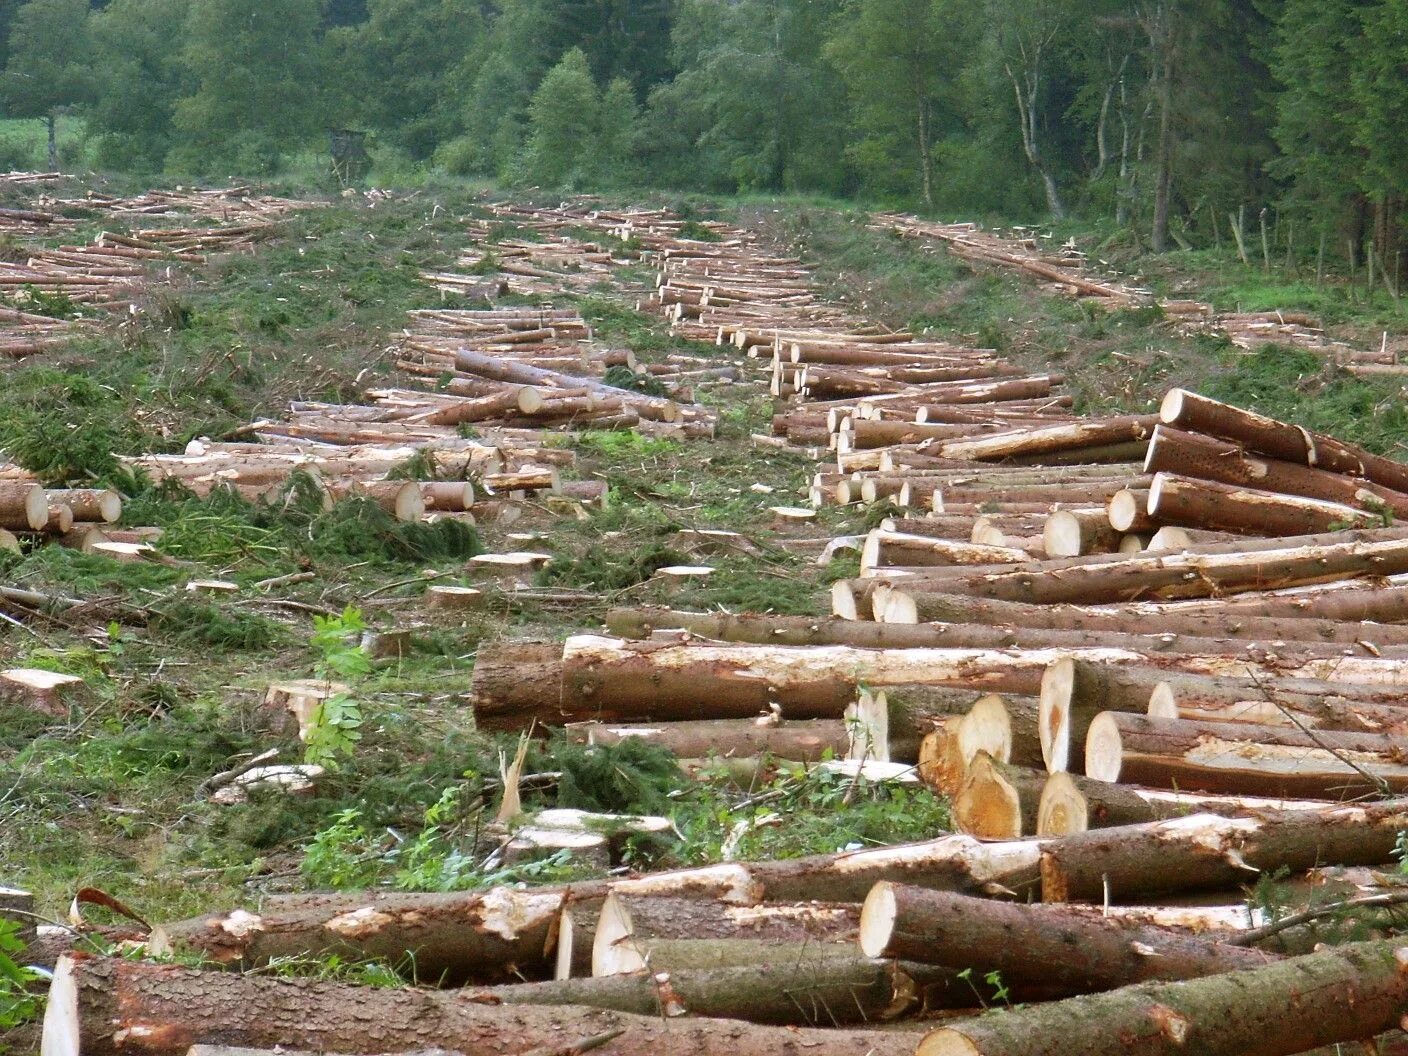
[(1066, 269)]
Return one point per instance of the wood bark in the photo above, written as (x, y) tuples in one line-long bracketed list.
[(1243, 758), (1291, 443), (1072, 803), (780, 985), (1208, 458), (108, 1006), (1205, 852), (801, 740), (1342, 994), (1066, 949), (1147, 619), (1055, 438), (1195, 503)]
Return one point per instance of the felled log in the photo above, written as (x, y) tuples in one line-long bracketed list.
[(1072, 803), (96, 1004), (1199, 414), (1342, 994), (1144, 618), (1195, 503), (1206, 852), (803, 740), (1194, 574), (1099, 432), (1243, 758), (1207, 458), (1065, 949), (24, 507), (628, 928), (780, 985)]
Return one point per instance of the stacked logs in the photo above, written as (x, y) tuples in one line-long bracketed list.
[(74, 517), (103, 279), (1066, 269)]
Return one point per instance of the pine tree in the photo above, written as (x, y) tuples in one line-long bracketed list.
[(613, 149), (138, 84), (563, 120)]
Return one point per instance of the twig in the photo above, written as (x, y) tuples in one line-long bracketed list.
[(280, 581), (406, 583), (224, 777), (1255, 935), (1373, 779)]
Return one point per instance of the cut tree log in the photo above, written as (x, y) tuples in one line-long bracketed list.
[(1194, 503), (96, 1005), (1065, 949), (1207, 852), (996, 801), (627, 928), (1243, 758), (799, 739), (779, 985), (1148, 618), (1199, 414), (1207, 458), (1071, 533), (24, 507), (1071, 803), (1343, 994)]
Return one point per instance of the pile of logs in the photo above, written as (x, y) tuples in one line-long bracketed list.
[(1066, 270), (103, 279), (1148, 659), (76, 517)]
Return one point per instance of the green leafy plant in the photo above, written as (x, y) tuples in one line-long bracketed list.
[(18, 1004), (335, 725)]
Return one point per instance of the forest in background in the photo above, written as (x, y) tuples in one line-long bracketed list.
[(1168, 117)]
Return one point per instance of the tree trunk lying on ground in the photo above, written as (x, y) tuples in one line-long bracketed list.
[(1065, 949), (1203, 851), (495, 933), (1343, 994), (1070, 803), (109, 1006), (1243, 758)]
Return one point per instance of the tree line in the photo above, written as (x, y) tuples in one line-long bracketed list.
[(1173, 117)]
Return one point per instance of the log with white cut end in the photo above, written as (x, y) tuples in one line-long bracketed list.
[(1100, 579), (97, 505), (1342, 994), (1071, 533), (454, 496), (1201, 852), (1171, 537), (400, 498), (1243, 758), (98, 1005), (1128, 511), (1195, 503), (1072, 803), (628, 928), (47, 692), (889, 548), (1199, 414), (1078, 436), (1057, 949), (23, 507), (1207, 458)]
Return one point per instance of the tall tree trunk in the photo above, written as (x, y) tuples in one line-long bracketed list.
[(1164, 175), (50, 120), (926, 161)]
